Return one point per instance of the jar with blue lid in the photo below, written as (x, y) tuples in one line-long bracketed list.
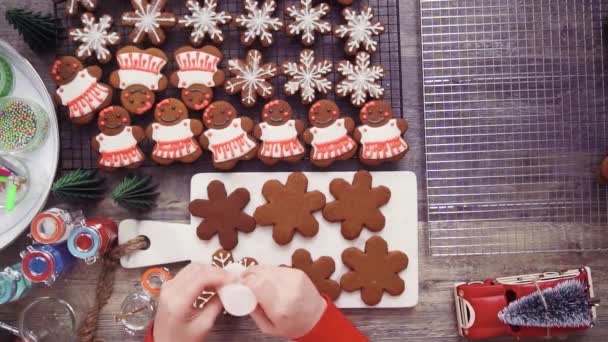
[(13, 284), (45, 263), (92, 238)]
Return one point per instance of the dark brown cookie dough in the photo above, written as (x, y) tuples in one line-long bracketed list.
[(319, 271)]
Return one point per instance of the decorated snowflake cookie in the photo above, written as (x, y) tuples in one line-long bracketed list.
[(258, 22), (251, 78), (307, 77), (148, 20), (307, 20), (94, 38), (204, 21), (360, 79), (359, 30), (71, 7)]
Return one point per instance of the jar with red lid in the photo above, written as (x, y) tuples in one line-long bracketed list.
[(92, 238), (54, 225), (46, 263)]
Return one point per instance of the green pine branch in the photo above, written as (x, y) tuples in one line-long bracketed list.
[(38, 30), (136, 192), (79, 185)]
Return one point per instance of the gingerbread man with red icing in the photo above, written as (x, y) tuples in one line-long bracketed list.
[(117, 142), (227, 136), (380, 135), (174, 133), (279, 133), (329, 135), (79, 89)]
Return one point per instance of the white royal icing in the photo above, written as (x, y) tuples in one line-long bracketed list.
[(94, 37), (83, 95), (196, 67), (307, 76), (381, 142), (147, 19), (250, 77), (140, 68), (332, 132), (204, 20), (177, 132), (72, 5), (280, 141), (258, 21), (307, 20), (359, 30), (119, 150), (229, 143), (360, 79)]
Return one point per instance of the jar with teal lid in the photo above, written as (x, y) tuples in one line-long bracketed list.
[(13, 284), (7, 77), (24, 125)]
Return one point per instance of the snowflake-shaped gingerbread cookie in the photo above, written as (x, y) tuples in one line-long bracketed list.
[(148, 20), (360, 79), (204, 21), (251, 78), (307, 20), (71, 7), (359, 30), (94, 38), (258, 22), (307, 77)]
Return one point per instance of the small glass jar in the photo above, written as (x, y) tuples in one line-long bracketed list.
[(24, 125), (54, 225), (19, 182), (92, 238), (13, 284), (45, 263), (48, 319)]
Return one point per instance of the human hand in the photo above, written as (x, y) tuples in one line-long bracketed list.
[(289, 304), (176, 318)]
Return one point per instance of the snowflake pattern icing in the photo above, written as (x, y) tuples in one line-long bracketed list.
[(258, 22), (360, 79), (95, 37), (307, 20), (307, 76), (250, 78), (359, 30), (71, 8), (148, 19), (204, 21)]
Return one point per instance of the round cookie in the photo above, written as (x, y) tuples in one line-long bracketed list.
[(278, 133), (148, 21), (380, 135), (79, 89), (198, 73), (117, 143), (95, 38), (257, 22), (374, 271), (329, 134), (227, 135), (174, 133), (319, 271), (359, 30), (251, 78), (357, 206)]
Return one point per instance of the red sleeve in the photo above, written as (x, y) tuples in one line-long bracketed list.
[(150, 333), (333, 326)]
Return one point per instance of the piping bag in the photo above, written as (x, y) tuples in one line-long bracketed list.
[(237, 299)]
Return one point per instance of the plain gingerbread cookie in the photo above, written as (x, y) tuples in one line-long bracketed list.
[(319, 271)]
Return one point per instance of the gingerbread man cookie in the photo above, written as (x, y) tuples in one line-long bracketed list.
[(380, 135), (174, 133), (79, 89), (279, 133), (357, 205), (71, 6), (251, 78), (329, 134), (198, 73), (227, 136), (290, 208), (148, 20), (319, 271), (117, 142), (374, 271), (139, 76), (222, 214), (258, 23), (95, 38)]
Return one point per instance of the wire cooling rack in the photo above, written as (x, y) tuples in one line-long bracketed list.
[(516, 103), (75, 141)]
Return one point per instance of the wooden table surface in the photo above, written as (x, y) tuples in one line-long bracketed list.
[(433, 319)]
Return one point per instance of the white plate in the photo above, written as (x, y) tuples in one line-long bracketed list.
[(174, 242), (41, 162)]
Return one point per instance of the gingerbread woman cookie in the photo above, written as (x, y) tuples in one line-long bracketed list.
[(319, 271), (279, 133), (95, 38), (329, 134), (198, 73), (174, 133), (227, 136), (380, 135), (357, 205), (71, 6), (79, 89), (117, 142), (139, 76), (148, 20), (258, 23), (374, 271)]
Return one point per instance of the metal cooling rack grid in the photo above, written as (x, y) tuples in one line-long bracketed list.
[(75, 145), (515, 107)]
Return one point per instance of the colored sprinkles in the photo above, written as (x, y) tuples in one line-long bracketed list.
[(17, 125)]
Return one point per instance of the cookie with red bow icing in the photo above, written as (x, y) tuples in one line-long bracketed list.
[(227, 135), (174, 133), (279, 133), (329, 134), (79, 89), (198, 73), (117, 143), (139, 76), (380, 135)]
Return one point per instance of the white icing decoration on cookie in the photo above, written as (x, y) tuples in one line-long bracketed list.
[(307, 20), (173, 142), (360, 79), (196, 67), (307, 76), (94, 37), (72, 5), (359, 30), (204, 21), (381, 142), (258, 21), (250, 75), (139, 68), (280, 141), (83, 95), (119, 150), (147, 18), (331, 141), (229, 143)]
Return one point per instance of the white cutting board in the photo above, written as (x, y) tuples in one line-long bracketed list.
[(174, 242)]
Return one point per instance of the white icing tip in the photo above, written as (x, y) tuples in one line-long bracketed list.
[(237, 299)]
